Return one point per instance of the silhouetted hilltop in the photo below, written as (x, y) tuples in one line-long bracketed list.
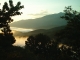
[(46, 22), (49, 32)]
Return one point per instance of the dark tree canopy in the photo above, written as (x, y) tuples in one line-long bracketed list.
[(7, 11), (38, 43), (72, 17), (43, 46), (72, 30), (71, 34)]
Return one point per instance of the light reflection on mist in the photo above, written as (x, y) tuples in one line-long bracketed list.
[(21, 29), (20, 41)]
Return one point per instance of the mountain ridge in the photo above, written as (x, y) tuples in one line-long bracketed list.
[(46, 22), (50, 32)]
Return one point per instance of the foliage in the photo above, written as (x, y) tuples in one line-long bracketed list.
[(40, 46), (43, 46), (6, 40), (70, 35), (73, 18), (38, 43), (6, 13), (16, 53)]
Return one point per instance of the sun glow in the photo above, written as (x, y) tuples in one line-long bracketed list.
[(31, 12), (20, 29), (20, 41)]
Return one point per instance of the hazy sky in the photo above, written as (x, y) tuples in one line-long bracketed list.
[(38, 8)]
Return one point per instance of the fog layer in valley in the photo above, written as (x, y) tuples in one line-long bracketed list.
[(20, 41)]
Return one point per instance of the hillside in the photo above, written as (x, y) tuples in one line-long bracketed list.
[(46, 22), (49, 32)]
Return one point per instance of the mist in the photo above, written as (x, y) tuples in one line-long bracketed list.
[(20, 41)]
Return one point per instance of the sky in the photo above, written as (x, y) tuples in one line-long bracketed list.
[(38, 8)]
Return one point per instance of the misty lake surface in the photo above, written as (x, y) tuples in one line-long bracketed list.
[(20, 41)]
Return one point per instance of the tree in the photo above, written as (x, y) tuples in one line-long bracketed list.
[(70, 35), (6, 13), (43, 46), (38, 43)]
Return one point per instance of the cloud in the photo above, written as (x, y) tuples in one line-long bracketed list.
[(39, 13)]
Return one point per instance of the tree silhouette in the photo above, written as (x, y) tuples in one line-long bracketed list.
[(38, 43), (70, 35), (7, 11), (43, 46)]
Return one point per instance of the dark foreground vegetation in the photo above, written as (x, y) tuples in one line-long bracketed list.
[(65, 45)]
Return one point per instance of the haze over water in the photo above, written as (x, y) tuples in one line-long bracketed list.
[(20, 41)]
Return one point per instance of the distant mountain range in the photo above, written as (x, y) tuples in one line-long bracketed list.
[(46, 22)]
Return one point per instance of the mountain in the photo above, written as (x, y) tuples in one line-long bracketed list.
[(46, 22), (49, 32)]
